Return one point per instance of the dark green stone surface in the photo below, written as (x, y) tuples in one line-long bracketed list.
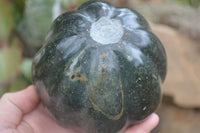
[(96, 87)]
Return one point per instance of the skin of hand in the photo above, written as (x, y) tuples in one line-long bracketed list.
[(22, 112)]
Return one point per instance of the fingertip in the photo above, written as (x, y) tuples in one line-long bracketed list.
[(26, 99), (14, 105), (145, 126), (31, 90), (30, 97), (150, 123), (155, 119)]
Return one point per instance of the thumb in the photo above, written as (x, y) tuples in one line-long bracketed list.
[(14, 105), (145, 126)]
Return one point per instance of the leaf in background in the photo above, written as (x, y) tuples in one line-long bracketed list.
[(5, 19), (194, 3), (17, 7), (17, 85), (2, 91), (9, 62), (80, 2), (72, 4), (38, 16), (26, 69)]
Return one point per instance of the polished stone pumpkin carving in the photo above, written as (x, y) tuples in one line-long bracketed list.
[(100, 69)]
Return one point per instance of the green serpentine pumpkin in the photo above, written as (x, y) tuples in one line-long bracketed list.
[(100, 69)]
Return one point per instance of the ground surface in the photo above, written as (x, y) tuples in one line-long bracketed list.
[(181, 113)]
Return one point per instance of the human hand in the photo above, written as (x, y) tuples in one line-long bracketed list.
[(22, 112)]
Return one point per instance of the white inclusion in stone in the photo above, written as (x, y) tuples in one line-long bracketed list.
[(144, 108), (107, 31)]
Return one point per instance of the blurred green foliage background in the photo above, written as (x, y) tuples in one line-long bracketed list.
[(24, 25)]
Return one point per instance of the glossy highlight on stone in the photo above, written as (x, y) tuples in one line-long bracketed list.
[(100, 69)]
